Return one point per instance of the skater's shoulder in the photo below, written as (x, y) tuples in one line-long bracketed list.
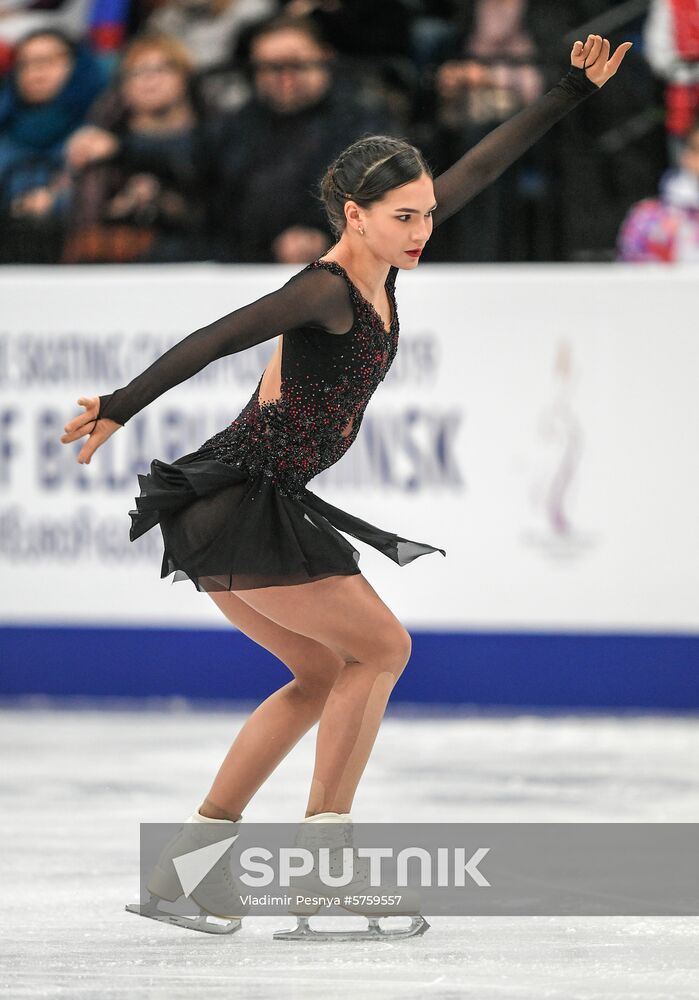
[(324, 292)]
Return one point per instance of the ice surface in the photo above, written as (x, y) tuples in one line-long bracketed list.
[(75, 784)]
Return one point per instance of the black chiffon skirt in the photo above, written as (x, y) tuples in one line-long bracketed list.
[(227, 529)]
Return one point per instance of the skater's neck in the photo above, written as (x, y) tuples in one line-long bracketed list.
[(368, 271)]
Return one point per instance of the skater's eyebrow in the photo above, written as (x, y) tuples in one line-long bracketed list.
[(414, 209)]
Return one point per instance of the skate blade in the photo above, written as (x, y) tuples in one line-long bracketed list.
[(374, 932), (204, 922)]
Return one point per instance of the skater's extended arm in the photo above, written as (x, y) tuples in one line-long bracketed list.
[(475, 170), (316, 297)]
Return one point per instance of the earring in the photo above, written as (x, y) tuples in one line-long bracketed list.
[(361, 230)]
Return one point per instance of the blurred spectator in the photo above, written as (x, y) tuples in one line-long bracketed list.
[(273, 151), (102, 22), (19, 18), (666, 229), (209, 28), (499, 74), (140, 191), (672, 49), (45, 97), (381, 40), (492, 76)]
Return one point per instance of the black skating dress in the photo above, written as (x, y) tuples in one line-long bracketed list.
[(237, 514)]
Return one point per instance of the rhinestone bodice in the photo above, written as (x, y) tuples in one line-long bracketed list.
[(326, 382)]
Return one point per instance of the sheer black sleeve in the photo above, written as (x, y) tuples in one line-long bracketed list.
[(315, 298), (484, 163)]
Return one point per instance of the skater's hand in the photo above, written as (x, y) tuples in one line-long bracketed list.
[(593, 57), (88, 422)]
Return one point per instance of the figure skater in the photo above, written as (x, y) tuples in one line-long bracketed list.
[(236, 516)]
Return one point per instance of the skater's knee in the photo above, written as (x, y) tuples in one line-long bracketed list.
[(391, 650), (317, 674), (402, 648)]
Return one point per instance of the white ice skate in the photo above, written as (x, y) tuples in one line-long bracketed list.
[(334, 831), (217, 894)]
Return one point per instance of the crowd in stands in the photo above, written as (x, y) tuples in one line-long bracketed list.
[(185, 130)]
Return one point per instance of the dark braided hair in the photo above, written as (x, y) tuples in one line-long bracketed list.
[(365, 171)]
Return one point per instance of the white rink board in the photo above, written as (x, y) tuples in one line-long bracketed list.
[(539, 423)]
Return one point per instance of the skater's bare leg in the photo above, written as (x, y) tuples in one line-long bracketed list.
[(344, 614), (281, 720)]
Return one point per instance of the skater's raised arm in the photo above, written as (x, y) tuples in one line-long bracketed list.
[(314, 297), (590, 69)]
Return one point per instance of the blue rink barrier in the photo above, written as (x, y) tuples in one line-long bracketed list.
[(509, 669)]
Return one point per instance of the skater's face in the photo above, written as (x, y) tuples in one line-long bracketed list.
[(401, 221), (291, 70)]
